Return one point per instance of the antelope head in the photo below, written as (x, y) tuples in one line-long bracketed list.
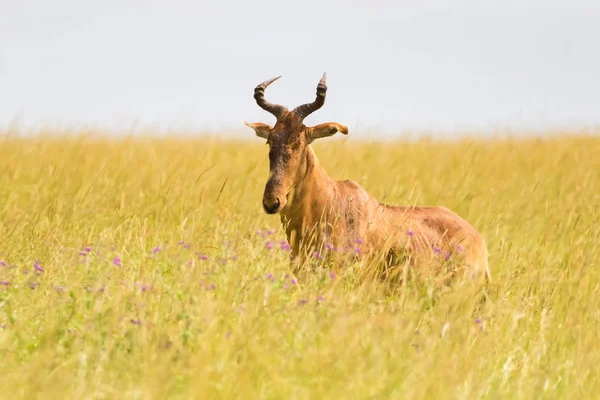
[(287, 142)]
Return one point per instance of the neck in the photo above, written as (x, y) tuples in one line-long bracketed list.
[(312, 189)]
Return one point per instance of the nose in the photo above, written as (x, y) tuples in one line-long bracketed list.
[(271, 206)]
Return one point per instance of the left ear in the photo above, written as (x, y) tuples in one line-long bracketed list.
[(324, 130), (262, 130)]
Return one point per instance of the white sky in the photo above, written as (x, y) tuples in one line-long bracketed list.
[(391, 65)]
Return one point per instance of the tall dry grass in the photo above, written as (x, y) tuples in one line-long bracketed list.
[(145, 268)]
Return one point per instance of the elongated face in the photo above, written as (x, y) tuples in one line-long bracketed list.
[(287, 142), (286, 146)]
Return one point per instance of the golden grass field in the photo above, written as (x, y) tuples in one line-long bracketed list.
[(145, 268)]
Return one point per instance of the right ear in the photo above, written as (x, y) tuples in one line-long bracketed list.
[(262, 130), (326, 129)]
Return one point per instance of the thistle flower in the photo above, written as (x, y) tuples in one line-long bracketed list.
[(117, 261), (410, 233), (285, 245), (317, 255)]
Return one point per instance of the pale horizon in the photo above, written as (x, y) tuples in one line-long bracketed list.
[(392, 67)]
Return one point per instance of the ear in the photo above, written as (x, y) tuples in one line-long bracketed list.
[(324, 130), (262, 130)]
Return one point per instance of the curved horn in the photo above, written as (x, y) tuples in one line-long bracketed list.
[(259, 96), (305, 110)]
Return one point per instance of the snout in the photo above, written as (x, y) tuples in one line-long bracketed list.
[(271, 204)]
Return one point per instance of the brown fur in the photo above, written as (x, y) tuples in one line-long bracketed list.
[(319, 212)]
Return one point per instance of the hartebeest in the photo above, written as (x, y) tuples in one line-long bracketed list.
[(317, 211)]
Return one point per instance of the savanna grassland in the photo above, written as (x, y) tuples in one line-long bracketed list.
[(146, 268)]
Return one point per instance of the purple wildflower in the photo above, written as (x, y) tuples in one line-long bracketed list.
[(82, 253), (37, 267), (294, 281), (33, 285), (135, 321), (88, 249), (329, 247), (101, 290), (117, 261), (478, 320), (410, 233), (5, 283), (228, 335), (357, 250), (210, 286), (447, 255), (317, 255), (2, 264), (320, 298), (156, 249), (437, 249), (269, 245), (359, 241), (302, 301), (459, 248), (270, 277), (181, 243), (332, 275), (143, 287), (285, 245)]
